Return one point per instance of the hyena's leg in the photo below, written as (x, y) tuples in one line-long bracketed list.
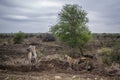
[(30, 59)]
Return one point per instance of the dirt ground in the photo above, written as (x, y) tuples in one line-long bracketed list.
[(51, 64), (49, 76)]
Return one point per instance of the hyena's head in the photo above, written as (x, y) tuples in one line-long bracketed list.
[(31, 48)]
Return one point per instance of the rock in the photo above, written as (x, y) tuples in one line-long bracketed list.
[(88, 79), (74, 77), (58, 77), (95, 78), (101, 79)]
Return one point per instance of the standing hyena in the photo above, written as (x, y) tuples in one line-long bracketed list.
[(31, 56)]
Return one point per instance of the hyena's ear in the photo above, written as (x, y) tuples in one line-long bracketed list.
[(30, 46), (28, 49)]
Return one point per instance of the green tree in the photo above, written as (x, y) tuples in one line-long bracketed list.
[(71, 27), (18, 37)]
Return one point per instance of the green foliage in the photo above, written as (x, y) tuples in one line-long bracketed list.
[(106, 60), (110, 55), (71, 28), (105, 52), (115, 55), (18, 37)]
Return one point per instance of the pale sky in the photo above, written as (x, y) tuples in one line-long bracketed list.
[(33, 16)]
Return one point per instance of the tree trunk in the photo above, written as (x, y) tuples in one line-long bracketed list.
[(81, 51)]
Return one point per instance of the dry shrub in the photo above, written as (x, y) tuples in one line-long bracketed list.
[(110, 55), (115, 55), (18, 37)]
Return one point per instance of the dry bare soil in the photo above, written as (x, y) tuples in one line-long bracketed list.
[(51, 64)]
